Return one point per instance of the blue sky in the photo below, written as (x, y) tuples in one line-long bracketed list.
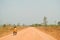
[(29, 11)]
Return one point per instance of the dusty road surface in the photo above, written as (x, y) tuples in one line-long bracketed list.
[(30, 33)]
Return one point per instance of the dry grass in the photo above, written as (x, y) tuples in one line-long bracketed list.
[(8, 30), (53, 31)]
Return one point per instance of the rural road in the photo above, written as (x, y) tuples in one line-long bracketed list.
[(29, 33)]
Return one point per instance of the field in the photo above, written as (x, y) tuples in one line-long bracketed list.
[(8, 30), (51, 30)]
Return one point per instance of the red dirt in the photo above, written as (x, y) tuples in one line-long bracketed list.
[(30, 33)]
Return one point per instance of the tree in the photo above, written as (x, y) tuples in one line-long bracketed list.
[(14, 25), (4, 25), (9, 24), (45, 21), (59, 23), (35, 25)]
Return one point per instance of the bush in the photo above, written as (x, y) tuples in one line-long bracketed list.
[(4, 25)]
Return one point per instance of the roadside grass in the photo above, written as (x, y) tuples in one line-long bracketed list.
[(51, 30), (8, 30)]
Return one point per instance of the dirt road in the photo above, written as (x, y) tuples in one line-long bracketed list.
[(30, 33)]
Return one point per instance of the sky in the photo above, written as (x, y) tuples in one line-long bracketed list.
[(29, 11)]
